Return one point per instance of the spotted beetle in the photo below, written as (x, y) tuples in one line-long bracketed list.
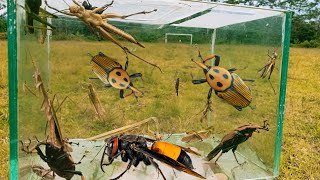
[(111, 73), (226, 84)]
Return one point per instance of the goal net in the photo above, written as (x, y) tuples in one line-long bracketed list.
[(178, 38)]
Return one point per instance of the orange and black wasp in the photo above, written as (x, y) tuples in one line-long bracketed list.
[(134, 148)]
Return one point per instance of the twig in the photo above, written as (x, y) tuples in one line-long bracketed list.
[(121, 130), (95, 101)]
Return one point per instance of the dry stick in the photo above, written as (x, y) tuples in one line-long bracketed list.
[(95, 101), (196, 135), (121, 130)]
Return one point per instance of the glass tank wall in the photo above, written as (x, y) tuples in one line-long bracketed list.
[(75, 81)]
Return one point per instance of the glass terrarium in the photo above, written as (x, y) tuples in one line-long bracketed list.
[(195, 79)]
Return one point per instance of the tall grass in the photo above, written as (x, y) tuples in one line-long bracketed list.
[(301, 143), (4, 126), (71, 70)]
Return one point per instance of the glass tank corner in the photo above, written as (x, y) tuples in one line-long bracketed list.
[(139, 89)]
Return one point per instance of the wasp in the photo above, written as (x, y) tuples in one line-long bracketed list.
[(226, 84), (234, 138), (267, 69), (99, 22), (111, 73), (135, 149)]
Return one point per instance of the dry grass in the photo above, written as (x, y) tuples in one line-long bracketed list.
[(301, 138), (4, 126), (70, 77), (71, 70)]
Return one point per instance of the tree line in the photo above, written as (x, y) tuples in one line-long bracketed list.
[(305, 20)]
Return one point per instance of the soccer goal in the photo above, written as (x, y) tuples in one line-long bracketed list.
[(176, 37)]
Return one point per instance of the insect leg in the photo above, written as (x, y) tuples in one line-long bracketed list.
[(121, 93), (232, 70), (157, 167), (271, 70), (209, 94), (234, 154), (135, 75), (127, 62), (128, 167), (219, 155), (102, 8), (199, 81), (107, 35), (79, 162), (272, 86), (77, 3), (111, 160), (63, 12), (40, 153), (75, 172), (132, 92), (27, 147), (143, 59), (42, 172), (113, 15), (199, 54), (110, 28)]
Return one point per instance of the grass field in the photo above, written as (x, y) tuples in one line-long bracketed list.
[(301, 126)]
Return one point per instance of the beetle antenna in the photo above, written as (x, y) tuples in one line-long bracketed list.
[(66, 3), (126, 50), (272, 86), (90, 55), (61, 10), (98, 151)]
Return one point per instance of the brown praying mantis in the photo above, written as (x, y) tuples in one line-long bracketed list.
[(99, 22)]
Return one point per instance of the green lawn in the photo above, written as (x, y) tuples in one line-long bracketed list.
[(71, 70)]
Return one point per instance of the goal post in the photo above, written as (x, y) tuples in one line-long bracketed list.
[(177, 34)]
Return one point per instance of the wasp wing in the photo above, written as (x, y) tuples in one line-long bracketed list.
[(164, 159), (189, 150)]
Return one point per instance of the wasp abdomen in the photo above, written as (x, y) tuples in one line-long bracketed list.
[(172, 151), (185, 159)]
